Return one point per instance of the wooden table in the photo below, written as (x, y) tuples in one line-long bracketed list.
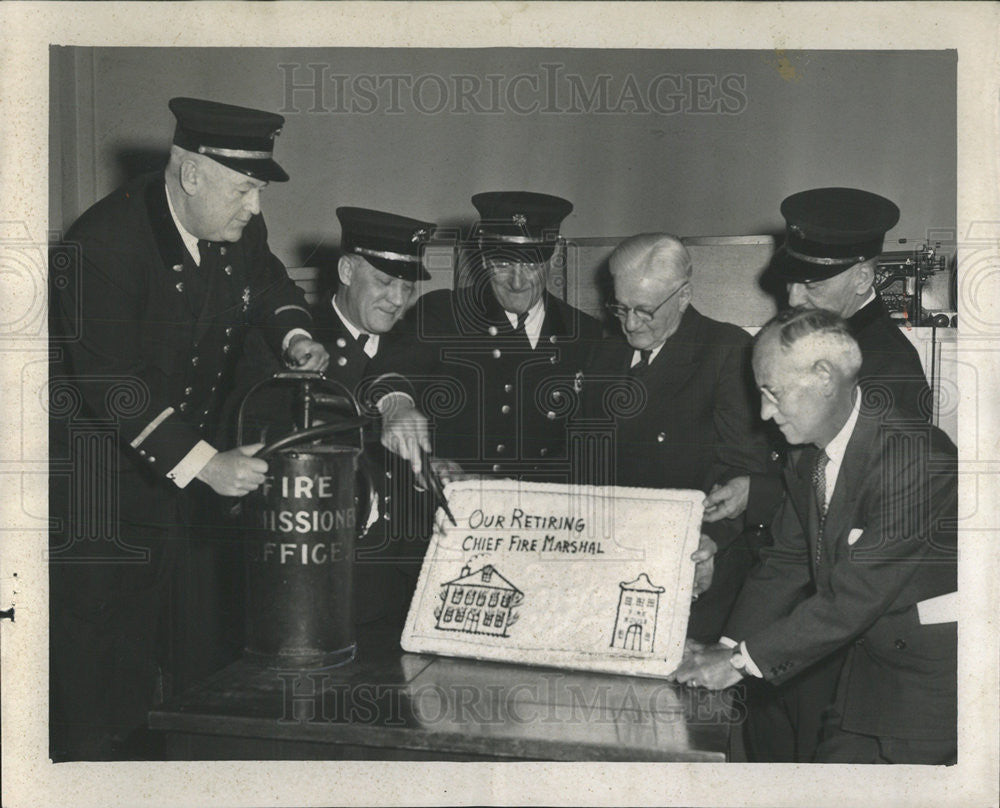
[(390, 705)]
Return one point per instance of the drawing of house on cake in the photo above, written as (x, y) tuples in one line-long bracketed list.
[(480, 602), (635, 622)]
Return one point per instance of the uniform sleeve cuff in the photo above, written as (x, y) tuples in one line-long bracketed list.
[(294, 332), (192, 464)]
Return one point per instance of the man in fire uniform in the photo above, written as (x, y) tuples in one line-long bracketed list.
[(173, 269), (378, 274), (497, 362)]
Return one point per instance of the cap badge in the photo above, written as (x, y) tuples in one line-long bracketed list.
[(420, 235), (519, 219), (797, 230)]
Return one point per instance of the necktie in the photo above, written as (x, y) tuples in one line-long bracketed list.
[(643, 362), (362, 340), (819, 486), (521, 319)]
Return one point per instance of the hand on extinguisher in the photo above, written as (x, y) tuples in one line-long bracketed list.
[(235, 473)]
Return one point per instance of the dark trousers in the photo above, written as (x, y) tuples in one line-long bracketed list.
[(784, 722), (840, 746), (106, 649)]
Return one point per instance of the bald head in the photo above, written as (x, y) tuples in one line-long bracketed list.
[(651, 273)]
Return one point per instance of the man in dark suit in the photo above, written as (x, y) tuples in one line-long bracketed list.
[(173, 269), (496, 363), (684, 418), (864, 556), (828, 261)]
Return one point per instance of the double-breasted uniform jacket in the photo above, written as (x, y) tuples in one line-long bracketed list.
[(144, 343), (497, 405), (888, 543), (150, 337), (893, 376), (405, 513)]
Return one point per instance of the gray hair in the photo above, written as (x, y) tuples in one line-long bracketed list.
[(652, 252), (824, 334)]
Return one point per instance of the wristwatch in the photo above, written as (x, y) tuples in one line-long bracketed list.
[(738, 661)]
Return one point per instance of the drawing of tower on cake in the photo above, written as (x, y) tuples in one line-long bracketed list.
[(635, 621), (480, 602)]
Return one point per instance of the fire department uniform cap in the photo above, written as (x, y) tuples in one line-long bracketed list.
[(393, 244), (829, 230), (240, 138), (518, 225)]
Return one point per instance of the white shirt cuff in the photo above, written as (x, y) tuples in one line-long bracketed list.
[(192, 464), (393, 399), (292, 333), (750, 666)]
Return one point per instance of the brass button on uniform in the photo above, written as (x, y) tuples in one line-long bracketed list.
[(507, 388), (222, 250), (177, 267), (188, 391), (183, 406), (151, 459), (501, 448), (552, 339), (552, 360), (505, 409), (226, 349), (496, 353), (496, 467), (543, 452), (492, 330), (550, 415), (229, 331), (661, 437), (228, 270), (179, 286), (341, 360), (194, 361), (341, 342)]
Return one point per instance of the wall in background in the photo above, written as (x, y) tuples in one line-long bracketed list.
[(693, 142)]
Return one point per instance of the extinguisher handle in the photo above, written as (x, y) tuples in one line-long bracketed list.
[(305, 378), (313, 433)]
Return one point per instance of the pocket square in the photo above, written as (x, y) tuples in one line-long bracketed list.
[(854, 535)]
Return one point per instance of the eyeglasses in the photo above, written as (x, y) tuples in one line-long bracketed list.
[(645, 315)]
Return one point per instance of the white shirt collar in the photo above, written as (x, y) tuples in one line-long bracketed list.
[(371, 347), (190, 242), (533, 324), (836, 448), (637, 354)]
